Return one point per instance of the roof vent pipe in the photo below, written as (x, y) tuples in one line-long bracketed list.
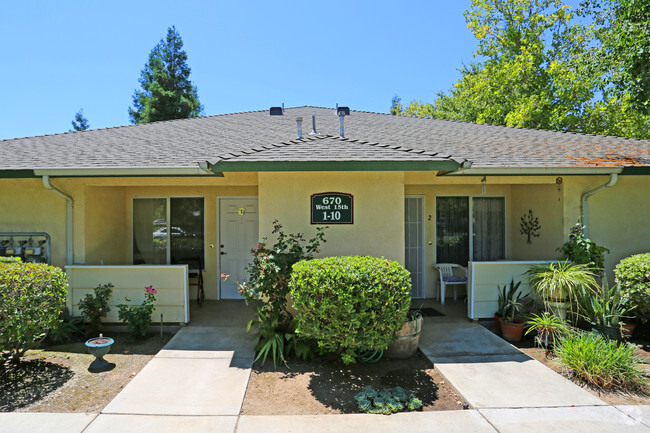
[(313, 126), (299, 124), (341, 131)]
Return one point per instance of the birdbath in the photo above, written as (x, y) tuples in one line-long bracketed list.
[(98, 347)]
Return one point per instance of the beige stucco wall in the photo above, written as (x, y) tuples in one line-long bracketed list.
[(546, 202), (619, 217), (26, 206), (103, 207), (378, 228)]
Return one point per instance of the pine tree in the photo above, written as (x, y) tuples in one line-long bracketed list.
[(80, 123), (167, 93)]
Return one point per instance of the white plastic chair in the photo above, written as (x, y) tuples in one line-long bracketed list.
[(448, 277)]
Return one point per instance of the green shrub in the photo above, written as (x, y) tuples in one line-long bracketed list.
[(10, 259), (583, 251), (633, 277), (95, 306), (67, 328), (350, 304), (33, 296), (137, 317), (386, 401), (267, 290), (600, 362)]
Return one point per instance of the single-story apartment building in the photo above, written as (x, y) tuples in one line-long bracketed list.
[(137, 205)]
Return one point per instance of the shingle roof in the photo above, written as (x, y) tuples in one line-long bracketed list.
[(257, 136)]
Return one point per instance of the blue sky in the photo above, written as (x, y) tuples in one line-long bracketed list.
[(61, 56)]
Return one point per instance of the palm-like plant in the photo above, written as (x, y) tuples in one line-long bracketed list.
[(548, 326), (561, 281), (604, 306)]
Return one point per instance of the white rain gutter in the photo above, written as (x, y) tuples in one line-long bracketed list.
[(69, 216), (533, 171), (584, 209)]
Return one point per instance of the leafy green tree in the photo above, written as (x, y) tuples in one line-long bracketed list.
[(80, 123), (623, 30), (167, 92), (537, 69)]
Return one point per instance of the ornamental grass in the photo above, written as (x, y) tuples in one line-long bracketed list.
[(601, 363)]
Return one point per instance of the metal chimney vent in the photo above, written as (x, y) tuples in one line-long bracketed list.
[(276, 111), (341, 116), (345, 110), (313, 126), (299, 125)]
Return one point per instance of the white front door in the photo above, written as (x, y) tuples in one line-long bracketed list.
[(238, 234)]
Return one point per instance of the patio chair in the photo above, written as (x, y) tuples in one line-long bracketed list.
[(448, 277)]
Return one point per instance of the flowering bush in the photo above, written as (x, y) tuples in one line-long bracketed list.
[(138, 317), (582, 250), (94, 306), (32, 295), (267, 290)]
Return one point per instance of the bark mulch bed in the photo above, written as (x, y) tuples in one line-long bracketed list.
[(56, 378), (328, 386)]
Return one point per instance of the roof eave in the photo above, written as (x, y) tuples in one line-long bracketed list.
[(259, 166), (536, 171)]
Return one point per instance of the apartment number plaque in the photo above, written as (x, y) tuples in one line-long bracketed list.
[(332, 208)]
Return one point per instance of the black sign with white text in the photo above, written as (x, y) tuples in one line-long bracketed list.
[(332, 208)]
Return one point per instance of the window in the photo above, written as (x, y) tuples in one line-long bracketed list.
[(452, 230), (460, 239), (168, 231)]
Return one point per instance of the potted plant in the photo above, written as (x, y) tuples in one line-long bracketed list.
[(605, 309), (560, 284), (504, 297), (549, 327), (407, 339), (512, 328)]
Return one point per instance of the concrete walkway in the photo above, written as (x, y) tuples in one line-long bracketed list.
[(490, 373), (198, 381)]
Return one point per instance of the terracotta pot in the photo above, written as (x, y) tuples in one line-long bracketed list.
[(544, 337), (497, 320), (406, 340), (512, 332), (627, 329)]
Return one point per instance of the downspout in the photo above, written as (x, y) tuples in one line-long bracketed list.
[(584, 209), (69, 215)]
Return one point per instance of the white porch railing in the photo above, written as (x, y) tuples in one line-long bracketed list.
[(484, 278), (170, 281)]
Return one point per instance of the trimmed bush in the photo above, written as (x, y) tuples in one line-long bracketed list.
[(32, 298), (10, 259), (350, 304), (633, 277)]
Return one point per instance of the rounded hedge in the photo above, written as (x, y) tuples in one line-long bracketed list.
[(633, 277), (32, 297), (350, 304)]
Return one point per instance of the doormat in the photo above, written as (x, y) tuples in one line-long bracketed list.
[(427, 312)]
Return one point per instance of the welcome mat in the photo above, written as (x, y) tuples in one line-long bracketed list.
[(427, 312)]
